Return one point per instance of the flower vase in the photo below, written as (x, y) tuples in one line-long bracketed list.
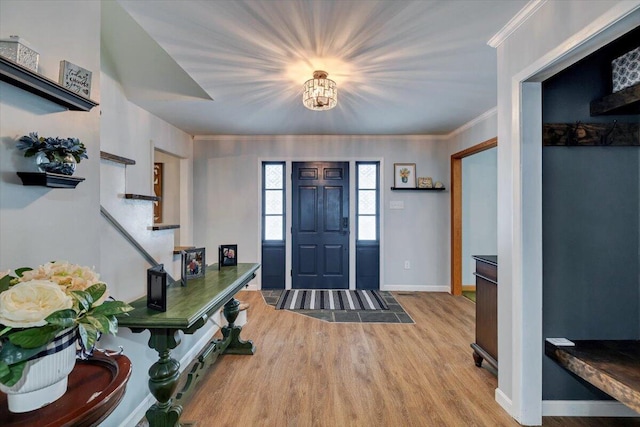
[(44, 379), (65, 167)]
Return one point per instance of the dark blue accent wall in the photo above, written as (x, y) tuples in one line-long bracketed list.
[(591, 223)]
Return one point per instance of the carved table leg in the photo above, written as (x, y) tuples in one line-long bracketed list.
[(232, 332), (163, 379), (477, 359)]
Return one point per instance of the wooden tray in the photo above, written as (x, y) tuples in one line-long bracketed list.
[(95, 388)]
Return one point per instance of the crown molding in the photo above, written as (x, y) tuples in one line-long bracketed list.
[(482, 117), (515, 22)]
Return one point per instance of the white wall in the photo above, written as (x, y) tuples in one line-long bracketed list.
[(227, 176), (563, 32), (129, 131), (479, 209), (40, 224)]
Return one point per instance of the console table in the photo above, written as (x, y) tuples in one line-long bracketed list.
[(187, 310)]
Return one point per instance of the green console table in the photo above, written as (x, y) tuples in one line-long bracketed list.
[(187, 310)]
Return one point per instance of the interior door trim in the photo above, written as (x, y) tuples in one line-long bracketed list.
[(456, 210)]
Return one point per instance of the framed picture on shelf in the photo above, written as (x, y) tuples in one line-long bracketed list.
[(227, 255), (404, 175), (425, 182), (75, 78), (193, 264), (157, 288)]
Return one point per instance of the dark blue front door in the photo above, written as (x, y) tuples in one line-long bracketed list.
[(320, 232)]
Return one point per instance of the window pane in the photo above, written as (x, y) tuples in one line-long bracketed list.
[(273, 228), (273, 176), (367, 176), (366, 228), (367, 202), (273, 202)]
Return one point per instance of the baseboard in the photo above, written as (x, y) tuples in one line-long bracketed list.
[(414, 288), (504, 401), (469, 288), (140, 411), (586, 408)]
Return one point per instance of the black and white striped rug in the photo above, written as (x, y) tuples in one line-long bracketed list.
[(316, 299)]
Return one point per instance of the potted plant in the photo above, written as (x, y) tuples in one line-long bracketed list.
[(44, 314), (54, 155)]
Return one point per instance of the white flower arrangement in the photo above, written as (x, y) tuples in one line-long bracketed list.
[(37, 304)]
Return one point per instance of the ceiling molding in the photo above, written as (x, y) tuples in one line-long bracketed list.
[(515, 22), (482, 117), (266, 138)]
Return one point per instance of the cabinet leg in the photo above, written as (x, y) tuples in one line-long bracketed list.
[(477, 359)]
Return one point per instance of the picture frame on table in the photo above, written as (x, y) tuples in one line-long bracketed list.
[(157, 288), (227, 255), (193, 264), (404, 175)]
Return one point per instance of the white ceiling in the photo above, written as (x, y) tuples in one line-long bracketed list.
[(237, 67)]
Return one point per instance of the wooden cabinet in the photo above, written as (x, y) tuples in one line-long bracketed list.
[(486, 345)]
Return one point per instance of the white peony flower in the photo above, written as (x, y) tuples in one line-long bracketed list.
[(27, 304)]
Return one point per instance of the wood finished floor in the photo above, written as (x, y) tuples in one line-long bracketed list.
[(307, 372)]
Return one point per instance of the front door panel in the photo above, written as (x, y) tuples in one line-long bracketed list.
[(320, 232)]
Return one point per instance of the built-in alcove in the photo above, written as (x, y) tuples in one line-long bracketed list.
[(590, 221)]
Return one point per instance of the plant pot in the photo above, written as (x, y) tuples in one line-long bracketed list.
[(66, 167), (44, 379)]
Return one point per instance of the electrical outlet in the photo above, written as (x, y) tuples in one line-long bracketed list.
[(407, 265)]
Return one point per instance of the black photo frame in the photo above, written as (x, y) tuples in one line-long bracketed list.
[(227, 255), (157, 288), (193, 264)]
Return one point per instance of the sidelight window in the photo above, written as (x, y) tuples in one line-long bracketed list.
[(273, 201), (367, 209)]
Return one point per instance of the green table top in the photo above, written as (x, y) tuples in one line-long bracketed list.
[(187, 305)]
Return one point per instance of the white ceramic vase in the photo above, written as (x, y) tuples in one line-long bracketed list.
[(44, 379)]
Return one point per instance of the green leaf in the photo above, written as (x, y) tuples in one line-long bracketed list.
[(34, 337), (14, 375), (20, 271), (4, 369), (96, 291), (64, 318), (109, 308), (99, 322), (5, 282), (11, 354), (113, 324), (88, 334), (83, 298)]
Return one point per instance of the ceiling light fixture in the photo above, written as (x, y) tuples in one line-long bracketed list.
[(320, 93)]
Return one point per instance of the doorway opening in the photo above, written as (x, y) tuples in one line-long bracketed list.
[(457, 213)]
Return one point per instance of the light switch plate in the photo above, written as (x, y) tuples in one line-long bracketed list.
[(396, 204)]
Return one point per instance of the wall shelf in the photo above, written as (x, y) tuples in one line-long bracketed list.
[(42, 86), (157, 227), (142, 197), (626, 101), (52, 180), (118, 159), (416, 189)]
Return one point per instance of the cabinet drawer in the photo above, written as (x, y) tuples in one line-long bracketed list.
[(489, 271)]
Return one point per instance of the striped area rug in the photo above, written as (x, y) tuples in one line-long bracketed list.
[(316, 299)]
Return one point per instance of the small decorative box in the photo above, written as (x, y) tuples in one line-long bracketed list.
[(18, 50), (625, 70)]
